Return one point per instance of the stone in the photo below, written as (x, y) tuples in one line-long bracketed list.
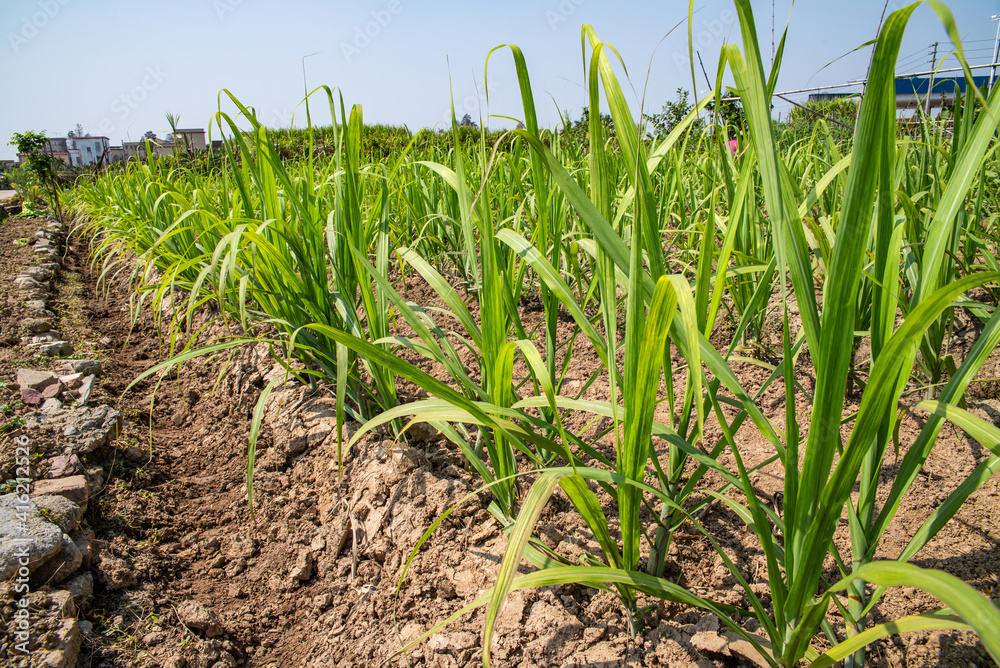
[(84, 539), (86, 628), (60, 511), (86, 389), (35, 380), (37, 325), (59, 567), (65, 642), (28, 284), (36, 305), (63, 465), (85, 367), (50, 406), (52, 391), (196, 616), (72, 381), (47, 337), (31, 397), (57, 349), (303, 568), (97, 426), (25, 535), (37, 273), (60, 602), (73, 488)]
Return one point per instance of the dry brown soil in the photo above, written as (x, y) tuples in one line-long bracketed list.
[(310, 578)]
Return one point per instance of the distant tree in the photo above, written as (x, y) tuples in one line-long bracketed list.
[(730, 116), (579, 131), (39, 164), (838, 115), (150, 135), (467, 122), (672, 114)]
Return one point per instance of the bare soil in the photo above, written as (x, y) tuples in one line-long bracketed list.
[(310, 577)]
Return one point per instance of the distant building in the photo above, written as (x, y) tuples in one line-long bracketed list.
[(193, 139), (91, 150), (76, 151), (913, 92)]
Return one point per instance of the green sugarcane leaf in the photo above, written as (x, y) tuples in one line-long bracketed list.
[(967, 604)]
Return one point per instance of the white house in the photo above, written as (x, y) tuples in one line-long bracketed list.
[(88, 150), (76, 151)]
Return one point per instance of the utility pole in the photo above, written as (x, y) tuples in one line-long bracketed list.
[(996, 54), (930, 90)]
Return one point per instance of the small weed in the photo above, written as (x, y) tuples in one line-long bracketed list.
[(11, 425)]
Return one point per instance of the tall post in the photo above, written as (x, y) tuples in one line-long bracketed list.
[(930, 90), (996, 53)]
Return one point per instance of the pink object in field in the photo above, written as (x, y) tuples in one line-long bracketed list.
[(733, 146)]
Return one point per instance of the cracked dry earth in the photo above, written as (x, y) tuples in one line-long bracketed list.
[(186, 575)]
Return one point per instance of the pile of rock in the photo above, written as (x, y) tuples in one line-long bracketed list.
[(9, 208), (50, 389), (45, 552), (42, 545), (66, 434), (34, 284)]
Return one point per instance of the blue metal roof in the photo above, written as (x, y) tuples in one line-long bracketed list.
[(920, 85)]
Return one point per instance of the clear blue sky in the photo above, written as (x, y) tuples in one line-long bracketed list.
[(116, 66)]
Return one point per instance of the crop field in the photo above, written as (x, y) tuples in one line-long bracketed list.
[(739, 375)]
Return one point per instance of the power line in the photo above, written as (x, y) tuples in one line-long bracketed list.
[(911, 62)]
